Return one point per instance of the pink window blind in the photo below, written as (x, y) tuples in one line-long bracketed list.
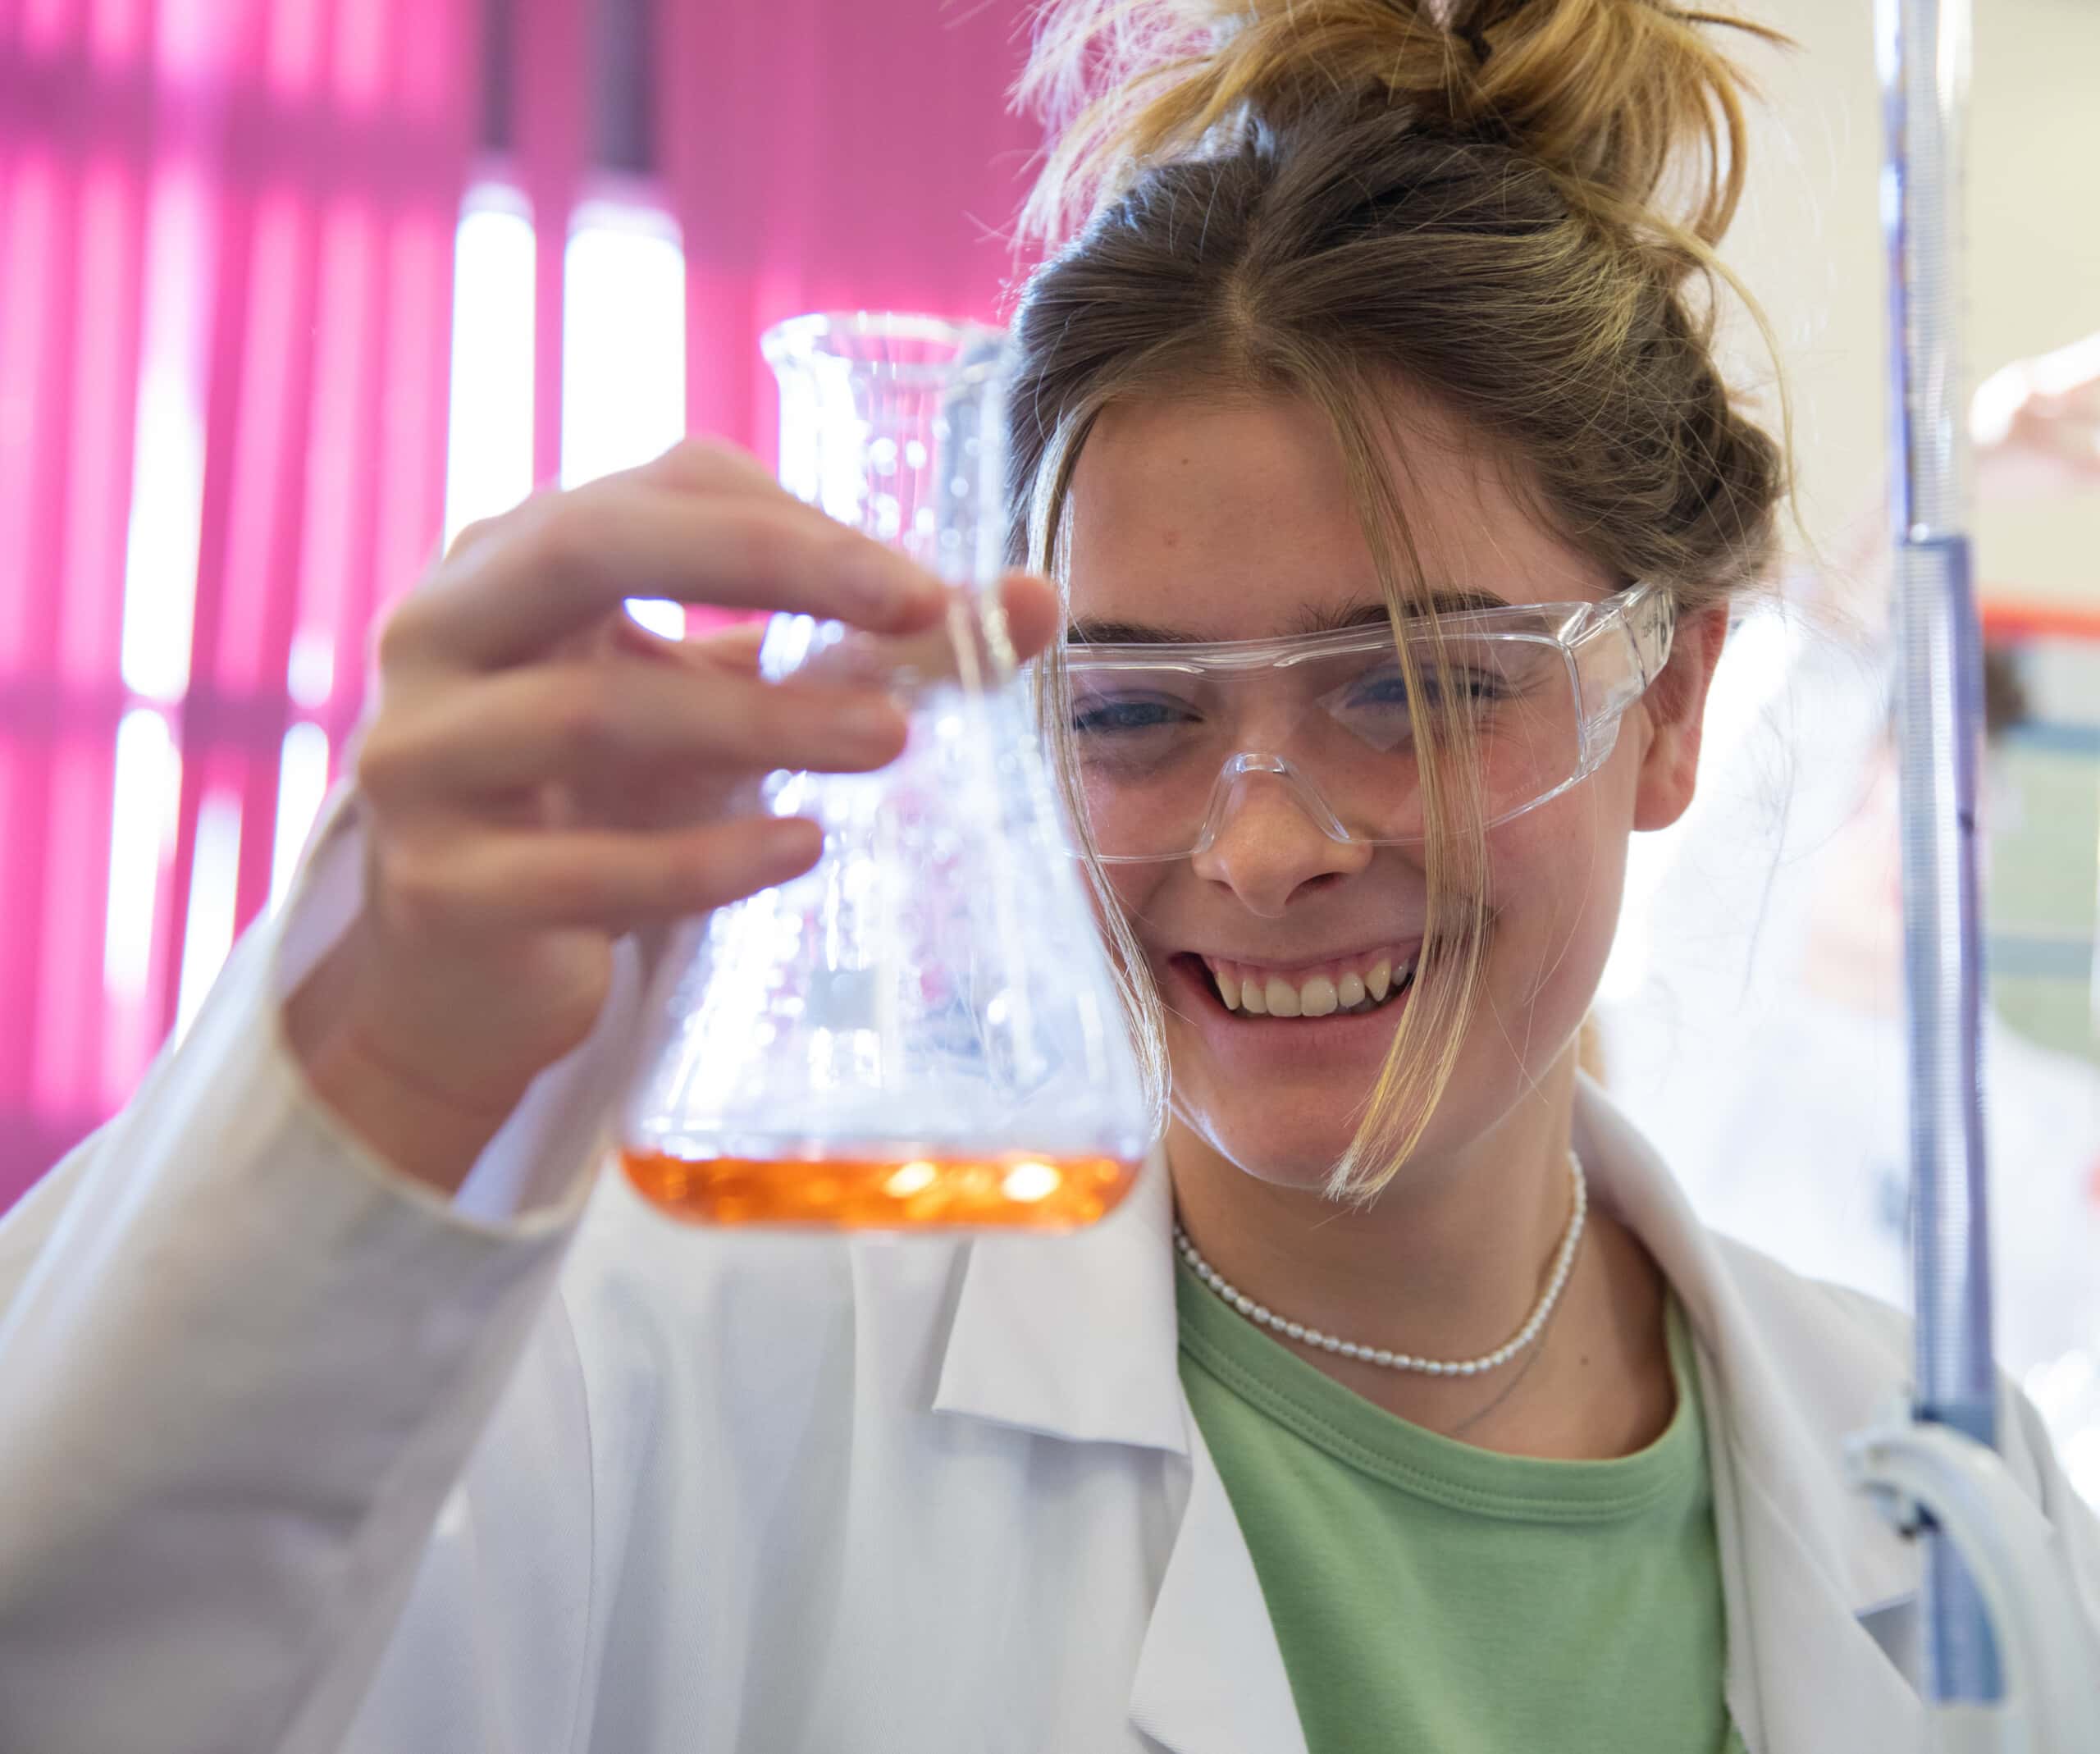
[(226, 237), (226, 252)]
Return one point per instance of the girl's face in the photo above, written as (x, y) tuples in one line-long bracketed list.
[(1228, 520)]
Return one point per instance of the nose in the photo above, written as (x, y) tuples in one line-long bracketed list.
[(1266, 842)]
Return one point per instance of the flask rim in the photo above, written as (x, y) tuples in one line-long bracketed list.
[(850, 337)]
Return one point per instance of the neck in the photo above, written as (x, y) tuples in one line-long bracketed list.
[(1448, 1262)]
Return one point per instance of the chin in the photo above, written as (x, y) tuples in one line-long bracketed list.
[(1291, 1134), (1258, 1146)]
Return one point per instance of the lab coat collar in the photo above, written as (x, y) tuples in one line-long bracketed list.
[(1076, 1338)]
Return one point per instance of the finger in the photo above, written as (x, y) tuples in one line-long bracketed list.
[(1032, 616), (472, 534), (1031, 604), (706, 465), (1030, 611), (691, 465), (733, 649), (583, 722), (588, 551), (1033, 611), (523, 880)]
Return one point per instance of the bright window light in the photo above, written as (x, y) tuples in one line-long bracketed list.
[(302, 783), (167, 455), (159, 558), (310, 673), (149, 781), (488, 466), (213, 876), (623, 354)]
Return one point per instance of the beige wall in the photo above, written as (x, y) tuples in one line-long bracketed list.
[(1808, 244)]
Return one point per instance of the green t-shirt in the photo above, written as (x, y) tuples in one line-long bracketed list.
[(1428, 1595)]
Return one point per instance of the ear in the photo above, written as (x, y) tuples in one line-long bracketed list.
[(1675, 711)]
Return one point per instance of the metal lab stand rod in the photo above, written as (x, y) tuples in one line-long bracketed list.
[(1922, 54)]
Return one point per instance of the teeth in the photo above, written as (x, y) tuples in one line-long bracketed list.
[(1317, 996)]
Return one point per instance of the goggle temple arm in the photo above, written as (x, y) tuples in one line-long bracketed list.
[(1616, 660)]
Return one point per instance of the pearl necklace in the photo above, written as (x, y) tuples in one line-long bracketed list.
[(1563, 1263)]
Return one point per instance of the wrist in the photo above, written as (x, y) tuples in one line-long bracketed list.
[(375, 1085), (427, 1132)]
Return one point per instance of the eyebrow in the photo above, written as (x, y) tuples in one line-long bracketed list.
[(1091, 631)]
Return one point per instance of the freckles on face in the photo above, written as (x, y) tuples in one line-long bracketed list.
[(1218, 520)]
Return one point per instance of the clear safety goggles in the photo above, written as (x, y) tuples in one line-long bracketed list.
[(1162, 737)]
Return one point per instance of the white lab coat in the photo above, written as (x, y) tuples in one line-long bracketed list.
[(294, 1456)]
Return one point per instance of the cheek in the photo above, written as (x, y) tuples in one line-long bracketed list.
[(1134, 886), (1556, 877)]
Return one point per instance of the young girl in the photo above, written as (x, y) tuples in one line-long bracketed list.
[(1404, 1406)]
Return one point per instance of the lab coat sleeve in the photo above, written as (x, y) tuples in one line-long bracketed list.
[(2076, 1522), (242, 1363)]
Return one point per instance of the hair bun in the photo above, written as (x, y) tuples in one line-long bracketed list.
[(1611, 96)]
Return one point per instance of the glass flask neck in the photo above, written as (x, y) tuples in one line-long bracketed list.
[(890, 423)]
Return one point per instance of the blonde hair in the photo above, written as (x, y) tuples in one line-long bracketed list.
[(1509, 207)]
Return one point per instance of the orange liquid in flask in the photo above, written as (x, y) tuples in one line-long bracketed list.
[(1013, 1190)]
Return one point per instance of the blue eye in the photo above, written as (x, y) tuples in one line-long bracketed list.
[(1458, 686), (1388, 690), (1109, 717)]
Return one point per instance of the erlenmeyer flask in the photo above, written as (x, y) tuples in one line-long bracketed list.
[(922, 1031)]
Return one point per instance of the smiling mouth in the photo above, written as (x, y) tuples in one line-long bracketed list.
[(1348, 989)]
